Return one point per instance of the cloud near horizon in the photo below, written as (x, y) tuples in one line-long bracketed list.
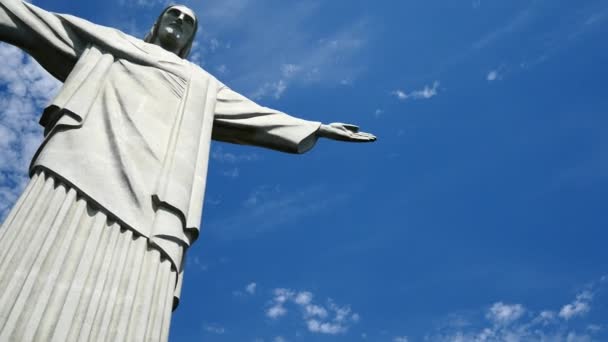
[(514, 322)]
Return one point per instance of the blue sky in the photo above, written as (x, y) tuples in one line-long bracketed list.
[(480, 213)]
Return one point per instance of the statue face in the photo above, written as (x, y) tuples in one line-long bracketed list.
[(176, 27)]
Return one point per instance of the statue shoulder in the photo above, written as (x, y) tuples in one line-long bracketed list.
[(204, 73)]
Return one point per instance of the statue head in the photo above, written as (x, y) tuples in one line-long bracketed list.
[(174, 30)]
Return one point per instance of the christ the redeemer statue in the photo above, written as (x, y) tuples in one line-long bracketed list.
[(94, 248)]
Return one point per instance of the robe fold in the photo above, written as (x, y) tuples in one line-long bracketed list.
[(130, 129)]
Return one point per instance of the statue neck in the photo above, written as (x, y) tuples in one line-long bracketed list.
[(167, 46)]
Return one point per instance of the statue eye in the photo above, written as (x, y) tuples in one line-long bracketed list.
[(188, 19), (173, 12)]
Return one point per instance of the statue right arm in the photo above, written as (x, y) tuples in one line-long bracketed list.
[(239, 120), (43, 35)]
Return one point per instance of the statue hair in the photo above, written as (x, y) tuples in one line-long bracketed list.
[(153, 33)]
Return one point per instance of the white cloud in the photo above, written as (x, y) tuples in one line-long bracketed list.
[(509, 322), (325, 327), (28, 89), (219, 154), (276, 311), (315, 311), (232, 172), (342, 313), (281, 296), (400, 339), (492, 76), (222, 69), (330, 319), (251, 288), (425, 93), (580, 306), (289, 70), (214, 328), (400, 94), (501, 313), (303, 298), (274, 89), (546, 317), (279, 339)]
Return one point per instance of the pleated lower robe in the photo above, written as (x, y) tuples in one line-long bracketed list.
[(70, 274)]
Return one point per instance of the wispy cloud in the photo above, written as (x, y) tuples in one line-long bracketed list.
[(541, 38), (266, 59), (249, 290), (329, 318), (214, 328), (232, 172), (221, 155), (514, 24), (143, 3), (501, 313), (229, 161), (400, 339), (197, 264), (28, 89), (422, 94), (400, 94), (281, 296), (269, 207), (493, 75), (580, 306), (273, 88)]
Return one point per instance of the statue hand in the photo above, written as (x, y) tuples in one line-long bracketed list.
[(344, 132)]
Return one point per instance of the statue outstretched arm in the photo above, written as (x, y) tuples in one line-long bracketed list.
[(242, 121), (42, 34)]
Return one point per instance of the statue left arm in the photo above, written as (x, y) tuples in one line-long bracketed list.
[(241, 121), (41, 34)]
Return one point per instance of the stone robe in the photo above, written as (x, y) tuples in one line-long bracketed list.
[(132, 125)]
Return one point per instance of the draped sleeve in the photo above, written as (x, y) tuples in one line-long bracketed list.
[(239, 120)]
